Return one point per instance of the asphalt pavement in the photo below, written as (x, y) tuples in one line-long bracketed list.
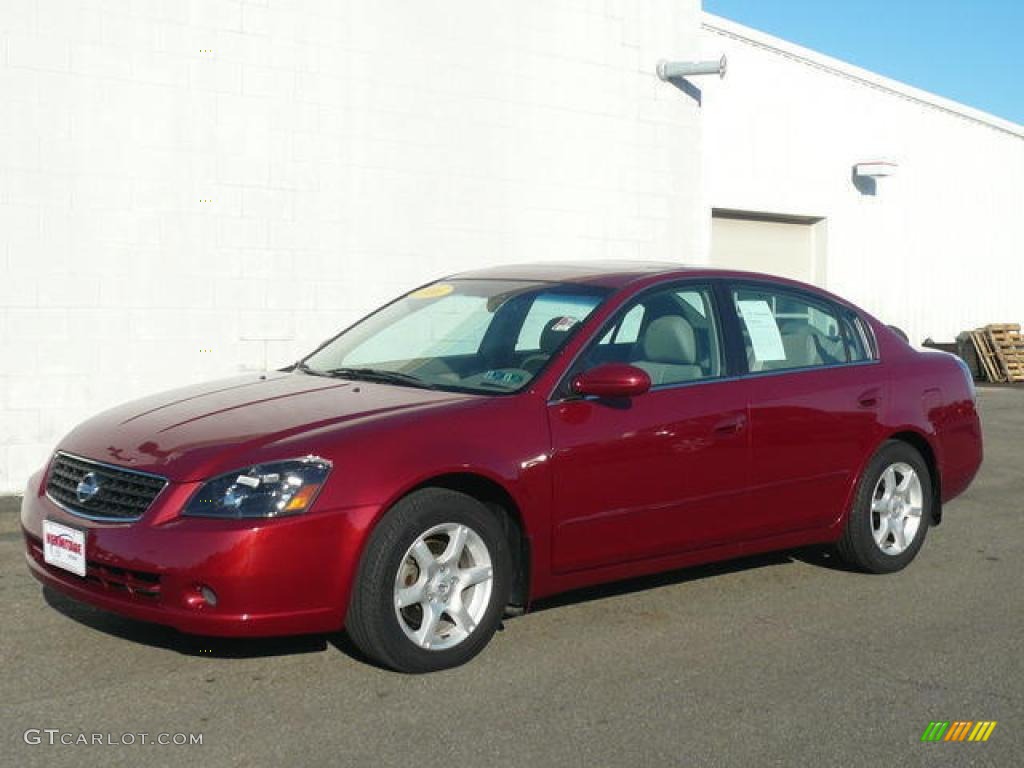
[(784, 660)]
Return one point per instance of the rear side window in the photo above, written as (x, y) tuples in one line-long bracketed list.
[(783, 330), (858, 348)]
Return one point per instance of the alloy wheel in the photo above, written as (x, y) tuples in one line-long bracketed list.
[(443, 586), (896, 507)]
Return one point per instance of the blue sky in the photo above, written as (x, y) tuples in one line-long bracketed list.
[(969, 51)]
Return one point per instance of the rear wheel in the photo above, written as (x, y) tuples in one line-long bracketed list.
[(891, 511), (432, 583)]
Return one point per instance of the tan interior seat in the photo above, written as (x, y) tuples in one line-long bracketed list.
[(668, 351), (802, 350)]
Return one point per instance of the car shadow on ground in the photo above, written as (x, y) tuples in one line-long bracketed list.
[(821, 556), (159, 636), (824, 557)]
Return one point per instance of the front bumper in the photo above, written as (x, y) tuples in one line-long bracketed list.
[(271, 577)]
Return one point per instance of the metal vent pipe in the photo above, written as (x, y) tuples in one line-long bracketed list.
[(670, 69)]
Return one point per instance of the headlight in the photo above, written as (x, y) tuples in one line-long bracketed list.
[(264, 490)]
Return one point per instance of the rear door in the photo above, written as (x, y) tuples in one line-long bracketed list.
[(814, 392)]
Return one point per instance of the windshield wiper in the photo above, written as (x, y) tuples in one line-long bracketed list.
[(380, 375)]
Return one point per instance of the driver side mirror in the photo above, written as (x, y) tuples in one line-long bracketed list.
[(612, 380)]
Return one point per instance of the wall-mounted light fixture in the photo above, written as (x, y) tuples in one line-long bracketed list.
[(866, 174), (875, 168)]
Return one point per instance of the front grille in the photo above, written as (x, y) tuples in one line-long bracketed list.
[(121, 494), (141, 585)]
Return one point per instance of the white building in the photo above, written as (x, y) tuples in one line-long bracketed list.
[(190, 189), (935, 248)]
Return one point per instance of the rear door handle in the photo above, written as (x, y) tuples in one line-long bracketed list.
[(869, 399), (730, 426)]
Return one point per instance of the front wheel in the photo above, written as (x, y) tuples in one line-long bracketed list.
[(891, 511), (432, 584)]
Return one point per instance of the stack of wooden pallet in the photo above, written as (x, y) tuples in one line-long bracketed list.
[(1000, 351)]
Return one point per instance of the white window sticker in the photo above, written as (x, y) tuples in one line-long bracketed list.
[(763, 330), (564, 324)]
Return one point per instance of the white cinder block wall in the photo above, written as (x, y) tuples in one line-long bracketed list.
[(939, 248), (189, 188)]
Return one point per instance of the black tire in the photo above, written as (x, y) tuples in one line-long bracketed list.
[(858, 546), (373, 623)]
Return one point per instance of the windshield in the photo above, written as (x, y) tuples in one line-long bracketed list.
[(486, 336)]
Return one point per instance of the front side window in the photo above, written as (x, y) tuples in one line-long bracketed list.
[(486, 336), (783, 330), (670, 333)]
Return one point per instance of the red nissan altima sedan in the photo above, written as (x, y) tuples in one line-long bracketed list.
[(503, 435)]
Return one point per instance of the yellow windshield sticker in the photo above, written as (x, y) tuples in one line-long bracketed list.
[(435, 291)]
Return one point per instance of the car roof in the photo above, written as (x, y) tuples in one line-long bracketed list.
[(611, 274), (619, 274)]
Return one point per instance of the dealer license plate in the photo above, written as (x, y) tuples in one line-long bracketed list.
[(64, 547)]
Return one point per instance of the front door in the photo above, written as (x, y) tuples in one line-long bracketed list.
[(662, 472)]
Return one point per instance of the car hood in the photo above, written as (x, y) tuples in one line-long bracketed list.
[(194, 432)]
